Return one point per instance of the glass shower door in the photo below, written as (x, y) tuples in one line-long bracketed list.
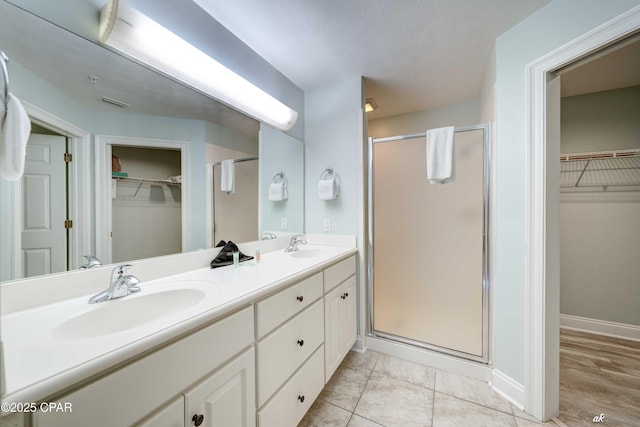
[(428, 257)]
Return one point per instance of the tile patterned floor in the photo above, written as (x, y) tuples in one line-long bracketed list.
[(376, 390)]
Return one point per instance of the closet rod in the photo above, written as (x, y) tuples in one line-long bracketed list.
[(246, 159), (424, 134)]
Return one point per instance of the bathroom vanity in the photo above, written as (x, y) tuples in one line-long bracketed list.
[(234, 346)]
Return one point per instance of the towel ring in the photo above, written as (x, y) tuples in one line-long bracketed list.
[(328, 171), (278, 178)]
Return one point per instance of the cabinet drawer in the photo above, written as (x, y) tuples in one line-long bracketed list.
[(339, 272), (289, 405), (281, 353), (276, 309)]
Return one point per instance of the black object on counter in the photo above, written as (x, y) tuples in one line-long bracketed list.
[(225, 257)]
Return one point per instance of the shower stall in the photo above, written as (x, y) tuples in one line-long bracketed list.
[(428, 262)]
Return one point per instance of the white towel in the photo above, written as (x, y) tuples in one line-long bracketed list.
[(227, 175), (278, 191), (13, 140), (440, 158), (327, 189)]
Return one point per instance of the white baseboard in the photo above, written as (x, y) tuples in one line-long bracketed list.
[(359, 345), (508, 388), (600, 327)]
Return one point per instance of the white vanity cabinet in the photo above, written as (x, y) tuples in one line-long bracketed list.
[(290, 354), (135, 393), (340, 307), (264, 364), (226, 398), (170, 415)]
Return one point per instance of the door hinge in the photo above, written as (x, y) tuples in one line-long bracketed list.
[(68, 157), (68, 223)]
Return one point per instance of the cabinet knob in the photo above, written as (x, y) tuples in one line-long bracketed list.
[(301, 399), (300, 343), (346, 294), (197, 419), (300, 298)]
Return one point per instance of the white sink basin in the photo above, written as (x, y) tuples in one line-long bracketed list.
[(306, 253), (128, 312)]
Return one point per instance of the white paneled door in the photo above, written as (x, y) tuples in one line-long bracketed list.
[(44, 237)]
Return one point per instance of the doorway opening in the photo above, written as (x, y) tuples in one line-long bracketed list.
[(50, 246), (542, 269), (599, 228), (142, 198)]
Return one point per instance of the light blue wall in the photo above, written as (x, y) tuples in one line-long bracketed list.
[(334, 138), (549, 28), (280, 152), (465, 114), (32, 89)]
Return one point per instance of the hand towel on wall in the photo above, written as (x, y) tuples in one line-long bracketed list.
[(13, 140), (440, 158), (227, 176), (328, 188), (278, 191)]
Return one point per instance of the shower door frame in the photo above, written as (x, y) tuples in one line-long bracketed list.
[(486, 166)]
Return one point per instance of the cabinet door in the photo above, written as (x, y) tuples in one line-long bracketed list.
[(226, 398), (340, 324), (171, 415)]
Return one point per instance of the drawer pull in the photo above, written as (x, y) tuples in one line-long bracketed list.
[(301, 399), (300, 298), (300, 343), (197, 419)]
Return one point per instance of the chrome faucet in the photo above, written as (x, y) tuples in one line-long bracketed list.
[(91, 262), (268, 236), (294, 242), (121, 285)]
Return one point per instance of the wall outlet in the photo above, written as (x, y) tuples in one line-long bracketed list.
[(284, 224), (326, 225)]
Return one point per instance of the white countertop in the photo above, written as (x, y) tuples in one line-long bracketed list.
[(40, 362)]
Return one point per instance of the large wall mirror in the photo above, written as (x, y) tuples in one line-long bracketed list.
[(145, 172)]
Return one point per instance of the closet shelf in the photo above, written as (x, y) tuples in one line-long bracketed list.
[(158, 180), (600, 171)]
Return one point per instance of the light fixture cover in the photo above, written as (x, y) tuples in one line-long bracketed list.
[(136, 35), (370, 105)]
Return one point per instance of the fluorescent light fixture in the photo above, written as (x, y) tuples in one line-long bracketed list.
[(136, 35), (370, 105)]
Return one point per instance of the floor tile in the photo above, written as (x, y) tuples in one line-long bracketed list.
[(415, 373), (449, 411), (522, 415), (357, 360), (324, 414), (521, 422), (395, 403), (470, 389), (358, 421), (345, 387)]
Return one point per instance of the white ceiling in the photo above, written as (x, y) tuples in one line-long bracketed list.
[(414, 54)]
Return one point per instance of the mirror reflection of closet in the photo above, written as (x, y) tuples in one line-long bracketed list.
[(146, 202)]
